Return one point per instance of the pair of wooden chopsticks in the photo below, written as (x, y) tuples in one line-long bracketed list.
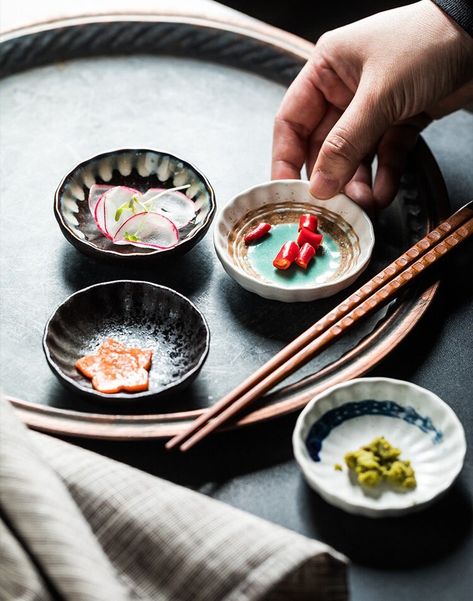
[(377, 291)]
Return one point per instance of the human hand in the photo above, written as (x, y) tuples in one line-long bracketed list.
[(367, 89)]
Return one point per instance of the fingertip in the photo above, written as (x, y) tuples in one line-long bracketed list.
[(323, 186), (283, 170), (386, 185), (358, 191), (362, 194), (352, 138), (392, 154)]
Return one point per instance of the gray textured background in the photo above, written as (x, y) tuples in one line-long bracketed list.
[(425, 556)]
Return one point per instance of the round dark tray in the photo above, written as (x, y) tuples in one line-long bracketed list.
[(206, 91)]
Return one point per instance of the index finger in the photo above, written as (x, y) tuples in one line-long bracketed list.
[(302, 108)]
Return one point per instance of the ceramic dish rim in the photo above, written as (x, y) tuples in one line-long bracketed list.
[(135, 255), (120, 396), (341, 501), (355, 270)]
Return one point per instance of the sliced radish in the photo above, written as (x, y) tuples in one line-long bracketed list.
[(147, 230), (95, 192), (119, 204), (99, 216), (174, 205)]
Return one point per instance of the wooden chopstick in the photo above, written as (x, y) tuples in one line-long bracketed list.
[(371, 295)]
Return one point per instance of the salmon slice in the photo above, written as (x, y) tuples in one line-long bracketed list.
[(116, 367)]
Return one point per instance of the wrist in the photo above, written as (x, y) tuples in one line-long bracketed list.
[(444, 27), (454, 42), (460, 11)]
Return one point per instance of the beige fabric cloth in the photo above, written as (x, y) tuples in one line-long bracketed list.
[(81, 527)]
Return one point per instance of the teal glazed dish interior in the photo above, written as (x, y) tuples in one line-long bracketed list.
[(344, 253), (139, 169), (339, 252)]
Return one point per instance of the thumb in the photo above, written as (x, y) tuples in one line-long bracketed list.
[(354, 136)]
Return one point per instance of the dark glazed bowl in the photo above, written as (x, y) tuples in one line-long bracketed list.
[(136, 168), (138, 314)]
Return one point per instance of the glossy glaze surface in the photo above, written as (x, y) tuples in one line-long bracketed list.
[(140, 169), (350, 241), (351, 414), (138, 314), (322, 268)]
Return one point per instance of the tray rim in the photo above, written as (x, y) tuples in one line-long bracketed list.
[(67, 422), (252, 28)]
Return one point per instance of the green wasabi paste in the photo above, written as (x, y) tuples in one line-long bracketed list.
[(379, 461)]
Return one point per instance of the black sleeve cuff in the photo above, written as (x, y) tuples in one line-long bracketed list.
[(460, 11)]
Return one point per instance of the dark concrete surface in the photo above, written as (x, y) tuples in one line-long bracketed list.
[(426, 556)]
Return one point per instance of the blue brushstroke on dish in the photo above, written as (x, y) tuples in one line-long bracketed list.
[(333, 418)]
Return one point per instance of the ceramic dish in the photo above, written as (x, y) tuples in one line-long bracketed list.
[(345, 253), (135, 313), (141, 169), (350, 415)]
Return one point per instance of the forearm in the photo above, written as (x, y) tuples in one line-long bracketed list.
[(460, 15)]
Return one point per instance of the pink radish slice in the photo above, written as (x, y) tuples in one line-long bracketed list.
[(95, 192), (174, 205), (99, 216), (152, 230), (113, 200)]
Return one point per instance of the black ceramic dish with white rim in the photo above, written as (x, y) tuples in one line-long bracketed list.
[(141, 169), (138, 314)]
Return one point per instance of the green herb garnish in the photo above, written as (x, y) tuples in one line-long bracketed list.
[(130, 205), (131, 237)]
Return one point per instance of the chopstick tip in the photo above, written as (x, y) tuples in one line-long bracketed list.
[(185, 446)]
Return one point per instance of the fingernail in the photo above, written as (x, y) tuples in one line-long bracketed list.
[(322, 186)]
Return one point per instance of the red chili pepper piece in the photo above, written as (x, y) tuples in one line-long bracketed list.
[(287, 255), (257, 232), (305, 256), (308, 221), (312, 238)]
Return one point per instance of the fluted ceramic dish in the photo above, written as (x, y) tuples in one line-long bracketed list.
[(139, 314), (138, 168), (345, 253), (350, 415)]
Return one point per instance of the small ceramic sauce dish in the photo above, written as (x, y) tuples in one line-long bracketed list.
[(350, 415), (345, 251), (137, 314), (141, 169)]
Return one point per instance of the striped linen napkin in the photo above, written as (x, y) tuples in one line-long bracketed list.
[(81, 527)]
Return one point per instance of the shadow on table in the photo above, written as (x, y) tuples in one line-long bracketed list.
[(453, 299), (187, 274), (410, 541), (59, 397), (399, 542), (217, 460), (414, 540), (233, 453)]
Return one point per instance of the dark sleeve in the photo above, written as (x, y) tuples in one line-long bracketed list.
[(460, 11)]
